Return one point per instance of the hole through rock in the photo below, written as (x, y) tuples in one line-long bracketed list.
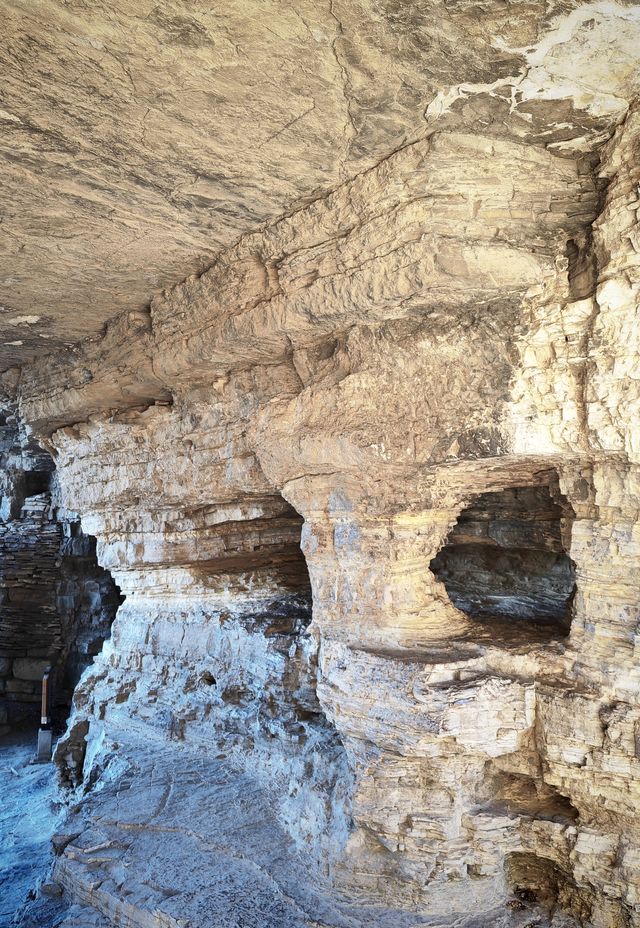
[(505, 559)]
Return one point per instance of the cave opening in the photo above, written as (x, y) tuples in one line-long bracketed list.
[(264, 553), (263, 558), (506, 559)]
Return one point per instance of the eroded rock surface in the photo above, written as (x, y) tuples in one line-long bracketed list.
[(369, 485), (138, 140)]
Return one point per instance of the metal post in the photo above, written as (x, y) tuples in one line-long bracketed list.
[(44, 733)]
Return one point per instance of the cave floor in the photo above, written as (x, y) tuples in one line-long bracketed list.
[(29, 812), (188, 839), (181, 838)]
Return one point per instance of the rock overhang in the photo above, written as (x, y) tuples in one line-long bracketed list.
[(145, 142)]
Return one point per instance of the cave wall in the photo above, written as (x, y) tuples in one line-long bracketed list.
[(57, 604), (29, 567), (347, 383)]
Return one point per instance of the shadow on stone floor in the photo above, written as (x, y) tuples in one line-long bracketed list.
[(29, 811)]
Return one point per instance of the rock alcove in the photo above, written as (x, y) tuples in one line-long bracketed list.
[(506, 559)]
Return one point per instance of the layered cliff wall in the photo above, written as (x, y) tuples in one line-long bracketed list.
[(370, 488)]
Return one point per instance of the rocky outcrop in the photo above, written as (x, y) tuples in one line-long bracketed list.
[(369, 487), (425, 385)]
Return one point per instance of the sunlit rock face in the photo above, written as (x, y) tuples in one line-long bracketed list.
[(369, 486)]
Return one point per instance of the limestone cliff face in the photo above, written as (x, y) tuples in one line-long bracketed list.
[(370, 488)]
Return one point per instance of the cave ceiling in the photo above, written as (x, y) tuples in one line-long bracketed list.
[(139, 140)]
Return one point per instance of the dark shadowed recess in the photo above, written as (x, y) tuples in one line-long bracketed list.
[(506, 560), (57, 604)]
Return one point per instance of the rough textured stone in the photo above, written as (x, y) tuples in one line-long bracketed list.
[(28, 814), (25, 668), (310, 689), (140, 140)]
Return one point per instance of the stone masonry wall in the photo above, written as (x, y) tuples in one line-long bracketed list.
[(57, 604)]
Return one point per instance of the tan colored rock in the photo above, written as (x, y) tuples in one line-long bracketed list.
[(139, 142), (370, 487)]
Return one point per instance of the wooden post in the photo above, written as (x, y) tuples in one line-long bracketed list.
[(45, 736), (44, 712)]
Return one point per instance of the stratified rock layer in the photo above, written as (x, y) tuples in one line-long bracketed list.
[(445, 343), (139, 140)]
